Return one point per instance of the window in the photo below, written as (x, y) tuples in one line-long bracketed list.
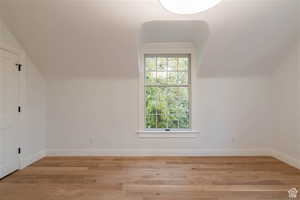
[(167, 91)]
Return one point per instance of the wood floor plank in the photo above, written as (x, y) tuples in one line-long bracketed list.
[(149, 178)]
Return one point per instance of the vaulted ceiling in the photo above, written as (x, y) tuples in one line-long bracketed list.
[(98, 38)]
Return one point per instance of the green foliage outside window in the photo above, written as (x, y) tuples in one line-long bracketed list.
[(167, 92)]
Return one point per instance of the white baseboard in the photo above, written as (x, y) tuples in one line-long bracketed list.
[(157, 152), (160, 152), (28, 160), (285, 158)]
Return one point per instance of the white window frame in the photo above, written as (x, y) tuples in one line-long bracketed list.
[(165, 48)]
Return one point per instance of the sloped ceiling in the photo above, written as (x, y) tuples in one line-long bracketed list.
[(98, 38)]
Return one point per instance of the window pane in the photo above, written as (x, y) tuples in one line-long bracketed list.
[(161, 64), (182, 103), (151, 121), (183, 119), (151, 100), (172, 78), (182, 78), (175, 93), (162, 78), (173, 122), (162, 104), (183, 93), (172, 99), (172, 64), (162, 121), (150, 63), (150, 78), (183, 64)]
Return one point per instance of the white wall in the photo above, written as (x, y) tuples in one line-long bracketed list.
[(286, 98), (101, 116), (32, 95)]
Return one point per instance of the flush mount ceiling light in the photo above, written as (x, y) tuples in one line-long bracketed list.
[(188, 6)]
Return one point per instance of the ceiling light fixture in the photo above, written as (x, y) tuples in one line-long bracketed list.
[(188, 6)]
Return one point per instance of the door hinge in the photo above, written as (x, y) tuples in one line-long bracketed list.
[(19, 150), (19, 67), (19, 109)]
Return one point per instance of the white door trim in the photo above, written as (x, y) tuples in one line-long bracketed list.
[(21, 57)]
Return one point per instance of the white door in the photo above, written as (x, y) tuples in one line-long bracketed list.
[(9, 102)]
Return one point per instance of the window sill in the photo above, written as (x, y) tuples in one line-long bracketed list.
[(168, 134)]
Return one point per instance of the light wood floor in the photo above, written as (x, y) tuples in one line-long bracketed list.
[(152, 178)]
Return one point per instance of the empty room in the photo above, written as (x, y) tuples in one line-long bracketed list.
[(149, 99)]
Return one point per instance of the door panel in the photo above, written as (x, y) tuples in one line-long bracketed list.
[(9, 101)]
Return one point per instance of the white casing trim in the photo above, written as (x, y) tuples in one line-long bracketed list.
[(160, 152)]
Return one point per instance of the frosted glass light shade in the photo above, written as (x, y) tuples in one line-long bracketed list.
[(188, 6)]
